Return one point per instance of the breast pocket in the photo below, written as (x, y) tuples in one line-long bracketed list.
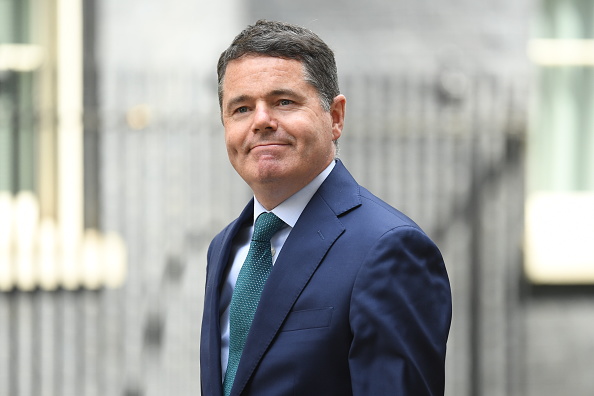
[(308, 319)]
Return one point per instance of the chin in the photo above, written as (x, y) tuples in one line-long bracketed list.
[(269, 176)]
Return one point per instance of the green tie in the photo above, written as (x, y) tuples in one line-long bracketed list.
[(246, 295)]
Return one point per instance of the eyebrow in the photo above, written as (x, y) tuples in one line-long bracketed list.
[(283, 92)]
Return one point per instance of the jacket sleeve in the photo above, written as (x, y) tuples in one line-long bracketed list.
[(400, 318)]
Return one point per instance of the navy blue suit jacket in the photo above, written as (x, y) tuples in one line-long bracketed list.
[(358, 303)]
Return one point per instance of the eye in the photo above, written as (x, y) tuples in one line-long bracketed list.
[(241, 109), (285, 102)]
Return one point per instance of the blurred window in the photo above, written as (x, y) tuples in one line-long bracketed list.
[(20, 62), (562, 144), (43, 242), (560, 185)]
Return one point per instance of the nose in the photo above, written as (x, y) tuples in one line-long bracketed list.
[(264, 119)]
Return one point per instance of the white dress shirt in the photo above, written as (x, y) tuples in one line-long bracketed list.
[(289, 212)]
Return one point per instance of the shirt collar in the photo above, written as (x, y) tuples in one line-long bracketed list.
[(290, 209)]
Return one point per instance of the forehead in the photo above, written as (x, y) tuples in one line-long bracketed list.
[(250, 70)]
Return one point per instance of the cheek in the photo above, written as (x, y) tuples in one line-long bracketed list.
[(232, 140)]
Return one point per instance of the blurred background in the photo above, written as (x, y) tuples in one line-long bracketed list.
[(474, 117)]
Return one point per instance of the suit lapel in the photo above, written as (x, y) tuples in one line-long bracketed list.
[(314, 233), (212, 376)]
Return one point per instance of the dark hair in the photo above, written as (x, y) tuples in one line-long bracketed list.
[(283, 40)]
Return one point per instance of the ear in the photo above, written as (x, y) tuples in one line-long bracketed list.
[(337, 112)]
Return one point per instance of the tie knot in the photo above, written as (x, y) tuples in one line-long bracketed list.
[(267, 224)]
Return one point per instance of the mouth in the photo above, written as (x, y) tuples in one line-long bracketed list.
[(265, 145)]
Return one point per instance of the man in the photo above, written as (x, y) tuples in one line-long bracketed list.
[(338, 293)]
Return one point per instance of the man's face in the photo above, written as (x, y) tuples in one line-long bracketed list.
[(278, 136)]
